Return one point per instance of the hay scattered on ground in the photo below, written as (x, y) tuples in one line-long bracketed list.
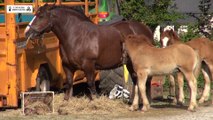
[(39, 108), (83, 105), (39, 104)]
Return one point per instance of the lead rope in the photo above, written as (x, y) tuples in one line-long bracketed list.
[(124, 62), (23, 44)]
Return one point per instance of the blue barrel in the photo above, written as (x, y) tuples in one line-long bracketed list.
[(19, 18)]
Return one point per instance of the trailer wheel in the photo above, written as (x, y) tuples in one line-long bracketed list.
[(108, 79), (43, 80)]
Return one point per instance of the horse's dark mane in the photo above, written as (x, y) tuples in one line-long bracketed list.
[(76, 9)]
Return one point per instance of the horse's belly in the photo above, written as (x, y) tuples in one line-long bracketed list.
[(110, 58), (108, 63), (163, 69)]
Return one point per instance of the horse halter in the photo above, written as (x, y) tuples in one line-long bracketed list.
[(42, 30)]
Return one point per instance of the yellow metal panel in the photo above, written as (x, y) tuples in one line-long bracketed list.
[(19, 67), (11, 56)]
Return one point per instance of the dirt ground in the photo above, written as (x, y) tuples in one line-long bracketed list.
[(104, 109)]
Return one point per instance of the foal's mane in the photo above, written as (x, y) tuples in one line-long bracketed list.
[(173, 34)]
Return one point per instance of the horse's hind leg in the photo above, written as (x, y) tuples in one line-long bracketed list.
[(193, 90), (210, 66), (69, 86), (142, 78), (172, 88), (89, 70), (206, 91)]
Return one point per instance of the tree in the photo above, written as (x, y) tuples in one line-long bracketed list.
[(204, 24), (152, 14)]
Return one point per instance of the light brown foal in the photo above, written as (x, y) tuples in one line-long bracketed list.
[(204, 47), (150, 61)]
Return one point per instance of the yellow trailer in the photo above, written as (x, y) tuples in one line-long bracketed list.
[(21, 67)]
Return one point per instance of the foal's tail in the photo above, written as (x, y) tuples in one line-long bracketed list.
[(198, 65)]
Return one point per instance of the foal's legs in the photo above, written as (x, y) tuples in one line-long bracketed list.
[(206, 91), (211, 70), (207, 71), (193, 90), (135, 92), (135, 102), (172, 87), (69, 77), (180, 79), (142, 78)]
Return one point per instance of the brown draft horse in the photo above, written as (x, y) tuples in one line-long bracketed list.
[(149, 61), (205, 48), (83, 44)]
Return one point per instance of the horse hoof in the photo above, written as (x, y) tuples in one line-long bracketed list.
[(174, 101), (144, 109), (191, 110), (93, 96), (66, 98), (181, 103), (201, 101), (132, 108)]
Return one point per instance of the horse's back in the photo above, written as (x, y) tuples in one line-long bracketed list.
[(133, 27), (200, 43), (159, 59), (184, 54), (203, 45)]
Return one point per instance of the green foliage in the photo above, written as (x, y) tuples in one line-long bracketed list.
[(25, 1), (151, 15), (192, 33)]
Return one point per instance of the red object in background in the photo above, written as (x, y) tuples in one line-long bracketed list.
[(103, 14), (156, 87), (157, 84)]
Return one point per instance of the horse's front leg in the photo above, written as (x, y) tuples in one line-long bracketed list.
[(89, 70), (69, 85), (133, 75), (142, 78), (180, 79), (192, 81), (135, 102)]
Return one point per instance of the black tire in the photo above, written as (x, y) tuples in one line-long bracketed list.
[(43, 80), (108, 79)]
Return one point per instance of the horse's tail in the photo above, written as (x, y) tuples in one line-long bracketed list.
[(198, 64)]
